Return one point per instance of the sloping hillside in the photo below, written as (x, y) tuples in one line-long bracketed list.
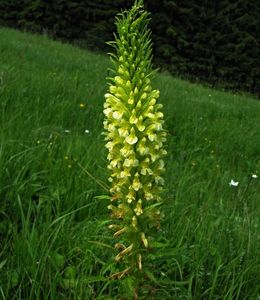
[(54, 243)]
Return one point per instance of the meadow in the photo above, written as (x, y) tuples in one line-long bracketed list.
[(54, 240)]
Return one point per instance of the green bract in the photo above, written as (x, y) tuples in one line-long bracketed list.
[(135, 138)]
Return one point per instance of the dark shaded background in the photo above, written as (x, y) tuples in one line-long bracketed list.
[(214, 41)]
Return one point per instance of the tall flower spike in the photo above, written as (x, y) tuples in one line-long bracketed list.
[(135, 138)]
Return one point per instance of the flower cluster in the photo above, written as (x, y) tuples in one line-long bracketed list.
[(134, 137)]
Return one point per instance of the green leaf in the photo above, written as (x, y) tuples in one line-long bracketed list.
[(57, 259), (103, 197), (92, 279), (69, 283), (150, 276), (14, 279), (70, 272), (2, 263), (129, 286), (159, 245)]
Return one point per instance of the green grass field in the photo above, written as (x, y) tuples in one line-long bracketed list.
[(54, 241)]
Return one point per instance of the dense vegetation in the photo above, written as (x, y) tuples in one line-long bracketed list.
[(54, 241), (214, 41)]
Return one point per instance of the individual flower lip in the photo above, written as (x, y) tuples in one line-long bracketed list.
[(254, 176), (233, 183), (118, 114), (132, 138)]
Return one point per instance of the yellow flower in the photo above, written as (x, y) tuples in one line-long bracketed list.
[(134, 222), (138, 209), (123, 132), (119, 80), (131, 195), (125, 173), (133, 119), (108, 112), (136, 185), (132, 138), (127, 150), (142, 148), (117, 114), (130, 100), (131, 162)]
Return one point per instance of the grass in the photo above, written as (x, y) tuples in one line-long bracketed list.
[(54, 241)]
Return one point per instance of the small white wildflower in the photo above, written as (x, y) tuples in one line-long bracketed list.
[(209, 95), (86, 131), (254, 176), (67, 131), (233, 183)]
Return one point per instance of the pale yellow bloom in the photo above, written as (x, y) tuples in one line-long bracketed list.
[(132, 138)]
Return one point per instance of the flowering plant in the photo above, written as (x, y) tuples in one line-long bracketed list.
[(134, 138)]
